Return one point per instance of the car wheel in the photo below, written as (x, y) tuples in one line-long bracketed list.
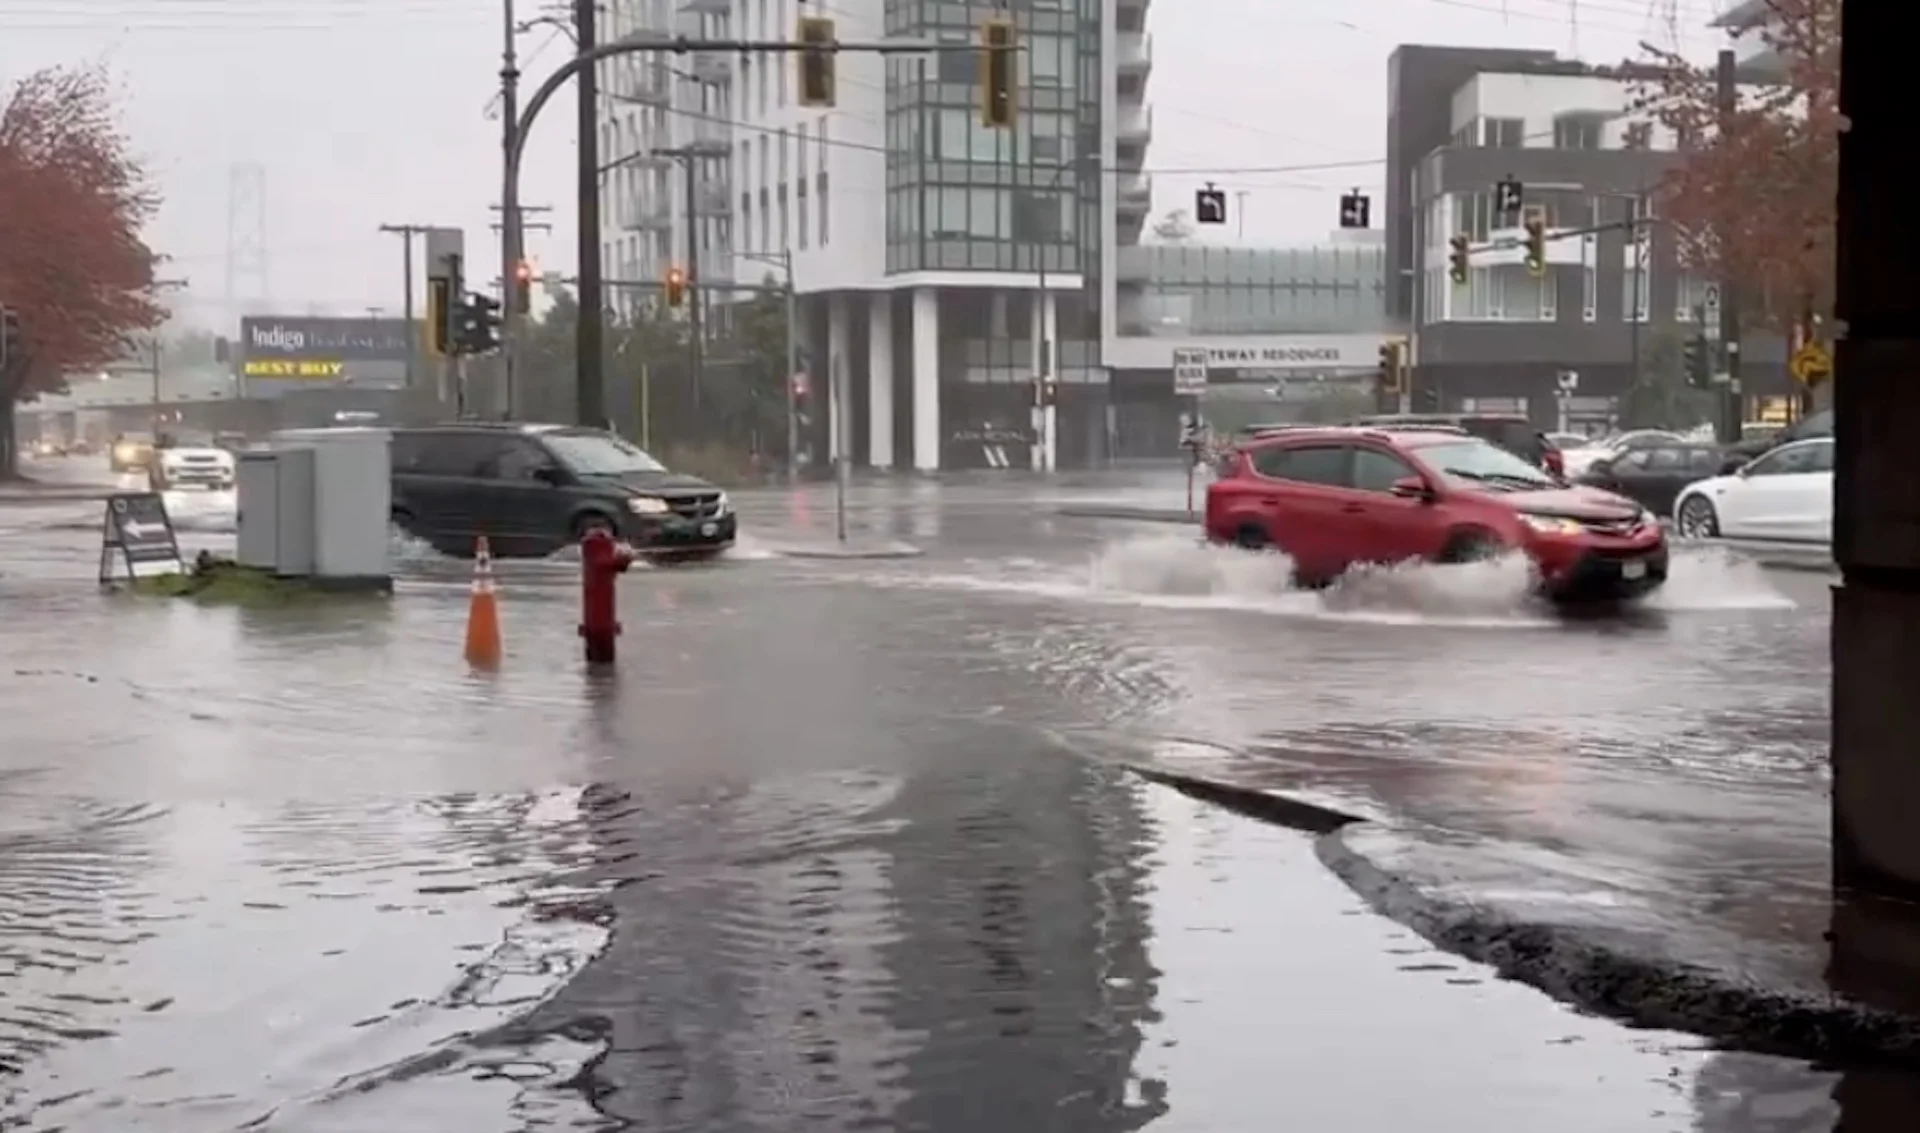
[(1252, 538), (1472, 547), (1697, 519)]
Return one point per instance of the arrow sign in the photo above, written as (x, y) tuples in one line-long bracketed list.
[(1811, 364)]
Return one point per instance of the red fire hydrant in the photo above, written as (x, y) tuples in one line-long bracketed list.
[(602, 560)]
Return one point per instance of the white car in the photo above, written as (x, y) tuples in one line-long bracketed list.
[(199, 466), (1785, 494)]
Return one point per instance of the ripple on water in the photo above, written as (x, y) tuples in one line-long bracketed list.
[(249, 962)]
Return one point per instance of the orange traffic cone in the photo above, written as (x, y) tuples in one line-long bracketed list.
[(483, 611)]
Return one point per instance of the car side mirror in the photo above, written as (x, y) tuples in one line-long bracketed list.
[(1412, 488)]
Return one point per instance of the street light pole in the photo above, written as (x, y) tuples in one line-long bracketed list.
[(590, 331), (511, 230), (407, 232)]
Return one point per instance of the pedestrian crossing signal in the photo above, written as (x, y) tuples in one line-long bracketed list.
[(675, 287), (999, 74), (816, 61)]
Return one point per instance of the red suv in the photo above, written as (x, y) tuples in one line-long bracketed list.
[(1332, 498)]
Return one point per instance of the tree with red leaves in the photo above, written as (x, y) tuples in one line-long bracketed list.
[(72, 265), (1752, 199)]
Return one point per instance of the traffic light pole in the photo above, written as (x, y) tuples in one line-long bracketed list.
[(512, 231), (516, 145), (1730, 414)]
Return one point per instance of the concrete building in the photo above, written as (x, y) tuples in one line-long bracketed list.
[(941, 264), (1459, 121)]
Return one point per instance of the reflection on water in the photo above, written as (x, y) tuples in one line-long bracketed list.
[(952, 948)]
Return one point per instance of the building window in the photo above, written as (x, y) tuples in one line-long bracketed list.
[(805, 214), (1505, 133), (821, 185), (1638, 135), (1576, 133), (786, 233), (1589, 279), (800, 148), (1637, 280)]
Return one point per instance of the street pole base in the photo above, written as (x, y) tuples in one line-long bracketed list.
[(599, 648)]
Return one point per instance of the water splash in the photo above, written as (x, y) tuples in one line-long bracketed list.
[(1715, 578)]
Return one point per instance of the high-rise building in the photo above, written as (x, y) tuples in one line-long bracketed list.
[(934, 256)]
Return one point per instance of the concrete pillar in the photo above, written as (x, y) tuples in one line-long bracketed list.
[(1876, 607), (838, 398), (880, 381), (1050, 416), (926, 379)]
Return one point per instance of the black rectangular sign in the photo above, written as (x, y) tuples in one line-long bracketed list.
[(137, 526)]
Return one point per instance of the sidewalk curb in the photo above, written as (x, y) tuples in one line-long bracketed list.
[(1626, 981), (847, 551), (1628, 978)]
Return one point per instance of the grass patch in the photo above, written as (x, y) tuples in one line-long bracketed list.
[(224, 582)]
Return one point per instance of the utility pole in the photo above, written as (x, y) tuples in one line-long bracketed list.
[(511, 232), (1730, 414), (407, 232), (590, 396)]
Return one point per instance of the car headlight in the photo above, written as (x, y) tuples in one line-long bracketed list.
[(723, 505), (1552, 524), (647, 505)]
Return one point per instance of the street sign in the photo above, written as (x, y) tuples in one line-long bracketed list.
[(1356, 210), (1811, 364), (1210, 205), (137, 526), (1189, 372)]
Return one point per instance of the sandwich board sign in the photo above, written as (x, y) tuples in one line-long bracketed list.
[(137, 530)]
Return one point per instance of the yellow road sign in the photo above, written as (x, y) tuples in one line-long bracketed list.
[(1811, 364)]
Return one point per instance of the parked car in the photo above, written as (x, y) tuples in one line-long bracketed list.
[(1510, 431), (1611, 448), (1567, 442), (184, 461), (1338, 497), (1811, 427), (533, 489), (1786, 494), (1654, 476)]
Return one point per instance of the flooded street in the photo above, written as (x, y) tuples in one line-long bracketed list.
[(854, 844)]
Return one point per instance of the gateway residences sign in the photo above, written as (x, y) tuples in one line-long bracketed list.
[(1230, 353)]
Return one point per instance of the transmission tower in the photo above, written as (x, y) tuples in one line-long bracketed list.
[(247, 284)]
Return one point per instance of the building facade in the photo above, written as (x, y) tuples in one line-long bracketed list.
[(942, 264), (1614, 294)]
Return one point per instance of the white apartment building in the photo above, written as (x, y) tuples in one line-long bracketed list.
[(940, 263)]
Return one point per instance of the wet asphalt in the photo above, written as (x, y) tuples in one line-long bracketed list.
[(850, 844)]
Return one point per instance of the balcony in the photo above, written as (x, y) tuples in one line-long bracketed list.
[(712, 67), (652, 216), (707, 7), (1134, 194), (709, 137), (1135, 126), (1133, 53), (713, 197)]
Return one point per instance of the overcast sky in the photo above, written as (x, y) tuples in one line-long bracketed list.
[(363, 112)]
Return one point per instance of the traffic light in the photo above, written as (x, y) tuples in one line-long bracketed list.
[(12, 346), (523, 287), (1697, 360), (1392, 365), (1536, 226), (1046, 392), (1457, 259), (816, 62), (675, 287), (999, 74), (440, 313), (476, 327)]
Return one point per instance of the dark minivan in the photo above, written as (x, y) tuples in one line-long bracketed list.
[(533, 489)]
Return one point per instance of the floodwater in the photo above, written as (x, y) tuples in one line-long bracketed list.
[(838, 844)]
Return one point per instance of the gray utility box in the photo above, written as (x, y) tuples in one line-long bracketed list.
[(275, 496), (316, 503)]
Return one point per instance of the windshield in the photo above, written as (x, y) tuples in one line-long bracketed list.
[(600, 454), (1477, 464)]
